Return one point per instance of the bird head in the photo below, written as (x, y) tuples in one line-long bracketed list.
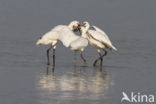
[(74, 25), (85, 26)]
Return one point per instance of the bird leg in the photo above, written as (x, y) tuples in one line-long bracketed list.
[(95, 62), (48, 55), (47, 69), (53, 70), (75, 58), (104, 53), (53, 57), (84, 60), (100, 58)]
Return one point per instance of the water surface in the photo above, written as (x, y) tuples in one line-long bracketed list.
[(24, 78)]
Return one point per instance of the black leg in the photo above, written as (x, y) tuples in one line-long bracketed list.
[(100, 58), (53, 70), (47, 69), (84, 60), (48, 63), (95, 62), (53, 57), (75, 58), (105, 53), (54, 49)]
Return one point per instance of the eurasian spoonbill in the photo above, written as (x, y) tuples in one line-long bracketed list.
[(51, 38), (77, 43), (98, 39)]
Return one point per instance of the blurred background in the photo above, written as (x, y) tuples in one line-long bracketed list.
[(130, 24)]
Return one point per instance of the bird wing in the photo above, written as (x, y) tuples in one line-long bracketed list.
[(102, 36), (66, 36), (98, 36), (58, 28), (102, 32), (48, 38), (53, 35)]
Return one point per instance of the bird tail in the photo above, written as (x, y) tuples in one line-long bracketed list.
[(114, 48), (72, 48), (38, 42)]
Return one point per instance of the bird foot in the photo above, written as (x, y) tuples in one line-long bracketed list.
[(48, 64), (85, 64)]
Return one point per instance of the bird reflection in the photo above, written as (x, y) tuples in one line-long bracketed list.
[(48, 67), (82, 82)]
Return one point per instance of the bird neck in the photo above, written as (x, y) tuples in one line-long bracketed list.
[(84, 31), (84, 35), (70, 26)]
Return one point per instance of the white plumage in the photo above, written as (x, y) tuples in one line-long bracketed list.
[(51, 37), (70, 39), (79, 44), (101, 36), (64, 33), (97, 38), (67, 36)]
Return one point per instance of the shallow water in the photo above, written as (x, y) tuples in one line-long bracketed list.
[(25, 78)]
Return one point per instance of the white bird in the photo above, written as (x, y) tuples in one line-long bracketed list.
[(51, 38), (98, 39), (70, 39), (79, 45)]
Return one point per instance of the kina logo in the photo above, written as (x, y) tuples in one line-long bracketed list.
[(137, 97)]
